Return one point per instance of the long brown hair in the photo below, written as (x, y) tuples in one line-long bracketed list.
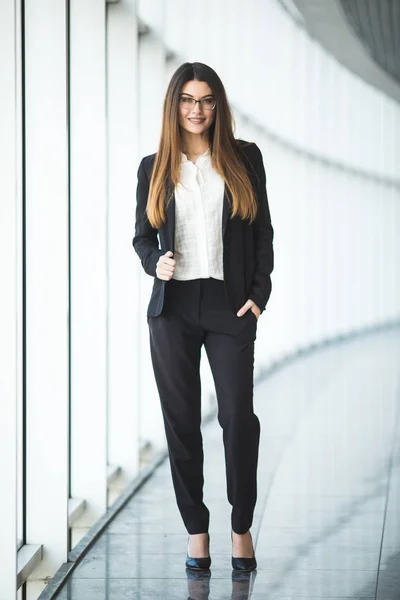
[(224, 150)]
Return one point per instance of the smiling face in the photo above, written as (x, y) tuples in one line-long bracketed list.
[(197, 118)]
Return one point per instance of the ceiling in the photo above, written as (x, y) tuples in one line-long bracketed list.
[(364, 35), (377, 25)]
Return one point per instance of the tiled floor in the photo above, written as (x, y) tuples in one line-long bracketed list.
[(327, 522)]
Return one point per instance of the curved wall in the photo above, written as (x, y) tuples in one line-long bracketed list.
[(331, 146)]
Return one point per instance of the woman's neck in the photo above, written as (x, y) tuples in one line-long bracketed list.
[(194, 145)]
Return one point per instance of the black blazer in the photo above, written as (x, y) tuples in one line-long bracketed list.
[(248, 257)]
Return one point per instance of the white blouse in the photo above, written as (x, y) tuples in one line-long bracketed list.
[(198, 220)]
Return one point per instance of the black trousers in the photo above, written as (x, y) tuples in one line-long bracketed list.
[(195, 313)]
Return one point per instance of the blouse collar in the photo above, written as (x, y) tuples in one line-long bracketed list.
[(199, 158)]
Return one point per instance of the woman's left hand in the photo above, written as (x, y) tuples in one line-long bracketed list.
[(250, 305)]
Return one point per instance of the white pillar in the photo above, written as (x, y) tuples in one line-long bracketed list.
[(8, 302), (89, 302), (123, 268), (47, 307), (151, 94)]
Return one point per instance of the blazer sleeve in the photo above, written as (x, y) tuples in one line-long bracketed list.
[(145, 241), (263, 241)]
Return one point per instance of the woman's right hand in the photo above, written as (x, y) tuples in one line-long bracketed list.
[(165, 266)]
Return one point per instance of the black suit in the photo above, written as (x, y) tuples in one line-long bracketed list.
[(248, 257), (185, 315)]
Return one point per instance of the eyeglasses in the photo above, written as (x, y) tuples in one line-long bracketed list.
[(205, 103)]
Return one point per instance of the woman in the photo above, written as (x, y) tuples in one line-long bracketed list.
[(203, 193)]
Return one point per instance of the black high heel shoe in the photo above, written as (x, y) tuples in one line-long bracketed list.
[(198, 564), (244, 564)]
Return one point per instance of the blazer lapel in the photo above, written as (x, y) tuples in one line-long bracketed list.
[(226, 209), (169, 227)]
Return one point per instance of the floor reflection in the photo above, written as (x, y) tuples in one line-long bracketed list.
[(199, 584)]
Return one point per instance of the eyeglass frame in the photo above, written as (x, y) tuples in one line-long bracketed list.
[(199, 101)]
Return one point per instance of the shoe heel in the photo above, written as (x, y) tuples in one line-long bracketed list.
[(199, 564), (244, 564)]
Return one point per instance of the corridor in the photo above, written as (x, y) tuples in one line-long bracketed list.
[(327, 518)]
